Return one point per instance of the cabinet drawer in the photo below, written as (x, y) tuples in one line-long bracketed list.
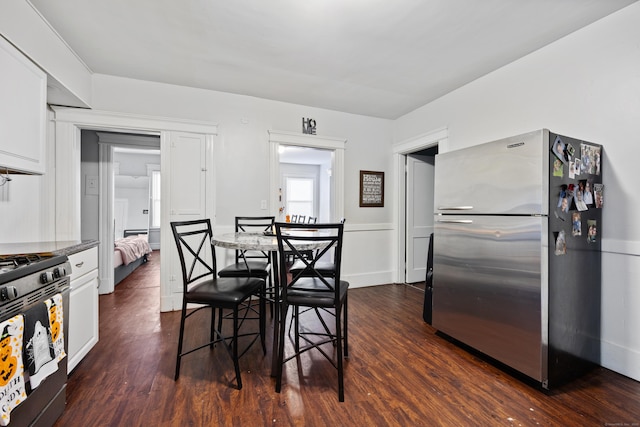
[(83, 262)]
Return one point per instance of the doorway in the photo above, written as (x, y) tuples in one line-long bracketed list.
[(419, 184), (122, 164), (305, 182), (331, 195), (425, 145)]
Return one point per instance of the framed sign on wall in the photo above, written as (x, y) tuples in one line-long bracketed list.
[(371, 189)]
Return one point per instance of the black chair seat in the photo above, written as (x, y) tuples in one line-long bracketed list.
[(313, 293), (256, 269), (228, 291), (325, 268)]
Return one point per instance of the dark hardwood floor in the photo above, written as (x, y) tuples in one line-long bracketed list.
[(400, 373)]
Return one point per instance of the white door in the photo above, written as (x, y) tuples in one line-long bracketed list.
[(187, 186), (186, 180), (420, 172), (120, 213)]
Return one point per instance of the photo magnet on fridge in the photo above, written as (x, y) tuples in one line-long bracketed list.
[(598, 190), (576, 164), (561, 243), (592, 233), (558, 149), (557, 168), (587, 191), (590, 159), (576, 224)]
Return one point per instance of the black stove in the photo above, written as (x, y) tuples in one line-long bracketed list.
[(25, 278), (25, 281)]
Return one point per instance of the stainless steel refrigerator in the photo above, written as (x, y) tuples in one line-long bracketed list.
[(516, 257)]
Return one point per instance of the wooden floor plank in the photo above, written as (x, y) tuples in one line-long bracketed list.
[(400, 373)]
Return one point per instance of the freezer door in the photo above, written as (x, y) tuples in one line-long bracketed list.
[(508, 176), (487, 286)]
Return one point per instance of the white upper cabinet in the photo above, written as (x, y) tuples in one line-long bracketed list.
[(23, 107)]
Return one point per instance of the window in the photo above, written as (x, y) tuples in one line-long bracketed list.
[(299, 192), (155, 199)]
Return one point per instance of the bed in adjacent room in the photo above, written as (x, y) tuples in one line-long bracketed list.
[(130, 253)]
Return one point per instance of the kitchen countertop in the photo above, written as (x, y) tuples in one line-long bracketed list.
[(47, 248)]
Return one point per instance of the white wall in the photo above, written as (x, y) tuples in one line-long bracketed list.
[(243, 124), (586, 85)]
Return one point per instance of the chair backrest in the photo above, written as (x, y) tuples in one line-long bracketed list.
[(312, 220), (195, 249), (327, 241), (253, 224), (294, 218), (301, 219)]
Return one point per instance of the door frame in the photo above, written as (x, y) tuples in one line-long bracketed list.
[(69, 124), (336, 145), (415, 267), (439, 137)]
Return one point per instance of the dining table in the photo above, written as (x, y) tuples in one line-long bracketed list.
[(266, 242)]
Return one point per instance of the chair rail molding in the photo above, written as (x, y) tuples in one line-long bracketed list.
[(337, 145)]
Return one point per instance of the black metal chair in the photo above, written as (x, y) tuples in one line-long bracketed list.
[(326, 267), (252, 263), (313, 290), (427, 312), (202, 286)]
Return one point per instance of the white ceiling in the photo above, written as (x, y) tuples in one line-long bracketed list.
[(372, 57)]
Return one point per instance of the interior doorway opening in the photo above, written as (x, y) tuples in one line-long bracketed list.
[(305, 182), (116, 170), (419, 184), (409, 149)]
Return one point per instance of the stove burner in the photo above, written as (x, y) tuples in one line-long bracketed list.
[(13, 267), (10, 262)]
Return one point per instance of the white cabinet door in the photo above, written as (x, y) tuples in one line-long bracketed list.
[(83, 305), (23, 103), (83, 318)]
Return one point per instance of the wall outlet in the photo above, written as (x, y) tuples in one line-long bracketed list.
[(263, 204)]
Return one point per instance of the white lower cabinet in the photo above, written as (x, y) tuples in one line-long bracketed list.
[(83, 305)]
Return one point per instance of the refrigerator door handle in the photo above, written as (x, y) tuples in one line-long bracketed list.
[(455, 208), (456, 221)]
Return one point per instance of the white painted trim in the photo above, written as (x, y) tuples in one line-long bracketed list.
[(350, 228), (69, 122), (337, 145), (105, 226), (304, 140), (400, 150), (135, 123), (425, 140)]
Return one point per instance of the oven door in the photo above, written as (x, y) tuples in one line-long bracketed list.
[(46, 403)]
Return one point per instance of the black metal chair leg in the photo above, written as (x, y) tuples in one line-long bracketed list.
[(236, 362), (212, 336), (345, 322), (339, 347), (180, 339), (263, 321), (283, 316)]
